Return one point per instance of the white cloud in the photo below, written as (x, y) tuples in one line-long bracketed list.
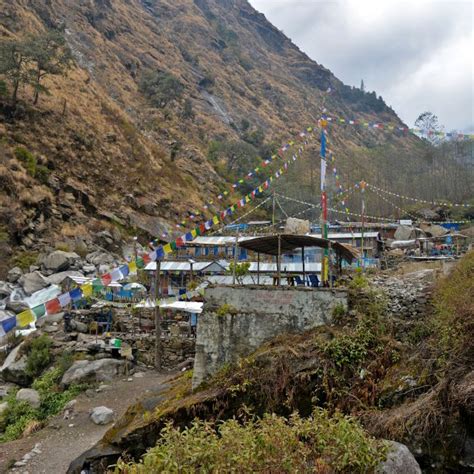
[(417, 55)]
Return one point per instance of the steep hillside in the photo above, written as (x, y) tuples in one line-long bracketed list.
[(114, 154)]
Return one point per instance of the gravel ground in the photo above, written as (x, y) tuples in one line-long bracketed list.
[(53, 448)]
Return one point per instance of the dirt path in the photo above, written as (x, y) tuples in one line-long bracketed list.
[(59, 443)]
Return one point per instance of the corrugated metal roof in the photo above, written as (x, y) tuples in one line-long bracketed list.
[(168, 266), (227, 240)]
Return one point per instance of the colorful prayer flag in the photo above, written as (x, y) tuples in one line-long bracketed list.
[(39, 311), (53, 306), (25, 318)]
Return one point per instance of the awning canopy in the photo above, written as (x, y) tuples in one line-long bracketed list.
[(286, 243)]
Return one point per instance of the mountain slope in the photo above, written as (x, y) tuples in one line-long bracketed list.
[(113, 156)]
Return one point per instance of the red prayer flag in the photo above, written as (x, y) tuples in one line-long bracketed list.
[(106, 279), (53, 306)]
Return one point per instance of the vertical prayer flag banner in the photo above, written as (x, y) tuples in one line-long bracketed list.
[(25, 318)]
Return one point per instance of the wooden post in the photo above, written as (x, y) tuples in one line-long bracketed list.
[(236, 247), (258, 268), (304, 271), (157, 317), (279, 261), (329, 264)]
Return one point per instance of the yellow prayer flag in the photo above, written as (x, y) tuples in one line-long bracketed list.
[(167, 249), (87, 289), (25, 318), (215, 219), (194, 233), (132, 267)]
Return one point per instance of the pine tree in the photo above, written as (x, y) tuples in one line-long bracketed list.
[(362, 85)]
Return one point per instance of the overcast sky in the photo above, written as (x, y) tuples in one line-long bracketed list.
[(418, 54)]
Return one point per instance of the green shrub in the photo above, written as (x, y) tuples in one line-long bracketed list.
[(39, 356), (359, 280), (42, 174), (319, 443), (3, 89), (19, 415), (161, 88), (25, 259), (225, 309), (27, 158)]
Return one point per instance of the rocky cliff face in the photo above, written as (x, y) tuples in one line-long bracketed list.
[(110, 156)]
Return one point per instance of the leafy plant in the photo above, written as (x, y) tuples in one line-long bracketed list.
[(225, 309), (39, 355), (161, 88), (25, 259), (319, 443), (240, 270), (19, 415)]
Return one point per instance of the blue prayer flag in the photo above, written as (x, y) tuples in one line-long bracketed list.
[(75, 294), (9, 324)]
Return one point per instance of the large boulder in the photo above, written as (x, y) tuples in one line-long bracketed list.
[(58, 278), (16, 301), (399, 461), (102, 415), (14, 368), (33, 282), (102, 370), (100, 258), (59, 260), (29, 396), (5, 289), (14, 274)]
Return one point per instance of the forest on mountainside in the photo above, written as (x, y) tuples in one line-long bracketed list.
[(131, 116)]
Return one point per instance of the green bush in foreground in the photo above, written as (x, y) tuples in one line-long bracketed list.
[(18, 416), (273, 444)]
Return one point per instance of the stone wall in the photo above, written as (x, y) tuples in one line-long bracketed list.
[(238, 319)]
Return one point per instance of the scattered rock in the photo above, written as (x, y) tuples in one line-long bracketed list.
[(100, 258), (58, 278), (14, 274), (50, 329), (3, 407), (6, 389), (49, 320), (13, 369), (399, 461), (15, 301), (5, 289), (32, 282), (30, 396), (102, 415), (59, 260), (102, 370), (139, 375), (79, 327)]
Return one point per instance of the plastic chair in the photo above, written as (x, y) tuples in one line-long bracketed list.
[(314, 280)]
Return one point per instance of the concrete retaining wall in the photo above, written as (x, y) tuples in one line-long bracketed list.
[(255, 315)]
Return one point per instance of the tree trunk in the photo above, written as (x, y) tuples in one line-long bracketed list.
[(15, 92), (38, 79)]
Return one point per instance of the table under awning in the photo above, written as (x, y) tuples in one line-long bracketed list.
[(279, 244)]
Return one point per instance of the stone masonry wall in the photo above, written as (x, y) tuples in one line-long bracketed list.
[(253, 315)]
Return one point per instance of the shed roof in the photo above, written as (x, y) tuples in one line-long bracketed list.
[(286, 242)]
